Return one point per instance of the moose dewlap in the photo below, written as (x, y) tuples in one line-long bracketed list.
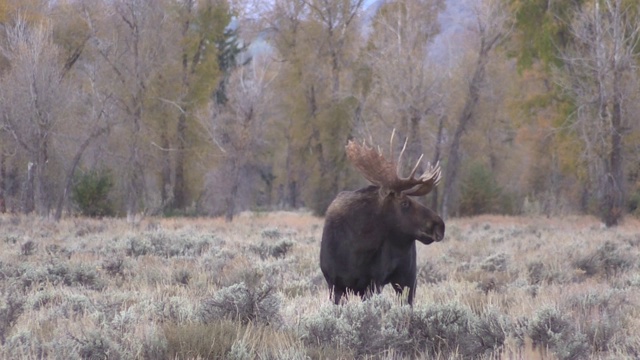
[(369, 236)]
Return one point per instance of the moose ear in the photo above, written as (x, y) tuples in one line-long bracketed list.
[(384, 192)]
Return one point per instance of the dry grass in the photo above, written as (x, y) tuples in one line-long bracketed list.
[(496, 288)]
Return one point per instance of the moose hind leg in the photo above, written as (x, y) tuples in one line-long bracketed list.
[(337, 294)]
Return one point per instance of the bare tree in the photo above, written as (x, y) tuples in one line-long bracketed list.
[(491, 24), (132, 41), (406, 89), (335, 17), (94, 121), (318, 40), (237, 130), (601, 67), (33, 100)]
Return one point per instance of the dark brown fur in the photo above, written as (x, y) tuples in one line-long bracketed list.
[(368, 241)]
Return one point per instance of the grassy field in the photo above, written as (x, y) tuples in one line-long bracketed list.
[(495, 288)]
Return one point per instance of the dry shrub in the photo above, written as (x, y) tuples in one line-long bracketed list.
[(608, 260), (445, 330), (356, 326), (98, 345), (11, 308), (242, 303), (278, 250), (601, 315), (377, 326), (552, 329), (431, 274), (497, 262)]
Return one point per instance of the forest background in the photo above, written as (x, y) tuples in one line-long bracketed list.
[(212, 107)]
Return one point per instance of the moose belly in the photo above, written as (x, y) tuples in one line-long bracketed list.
[(381, 268)]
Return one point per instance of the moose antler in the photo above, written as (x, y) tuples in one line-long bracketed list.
[(385, 173)]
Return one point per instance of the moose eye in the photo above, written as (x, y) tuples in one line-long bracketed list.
[(405, 204)]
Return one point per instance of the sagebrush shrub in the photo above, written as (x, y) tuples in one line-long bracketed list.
[(98, 345), (492, 329), (239, 351), (242, 303), (600, 315), (278, 250), (550, 328), (495, 263), (607, 260), (445, 330), (11, 307), (431, 274), (356, 326), (376, 327), (114, 266), (28, 248)]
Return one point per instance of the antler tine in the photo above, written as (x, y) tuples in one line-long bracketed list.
[(413, 172), (399, 162), (427, 181), (393, 133), (372, 164)]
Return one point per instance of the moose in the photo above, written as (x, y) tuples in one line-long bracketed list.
[(369, 235)]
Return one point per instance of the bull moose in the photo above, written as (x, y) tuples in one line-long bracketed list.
[(368, 239)]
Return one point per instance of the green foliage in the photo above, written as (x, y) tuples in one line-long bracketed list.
[(332, 126), (481, 194), (543, 29), (91, 193), (229, 57), (633, 203), (199, 47)]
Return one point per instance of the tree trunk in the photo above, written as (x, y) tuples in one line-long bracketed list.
[(179, 187), (41, 183), (165, 172), (614, 186), (135, 174), (465, 120), (3, 176), (230, 199), (28, 192)]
